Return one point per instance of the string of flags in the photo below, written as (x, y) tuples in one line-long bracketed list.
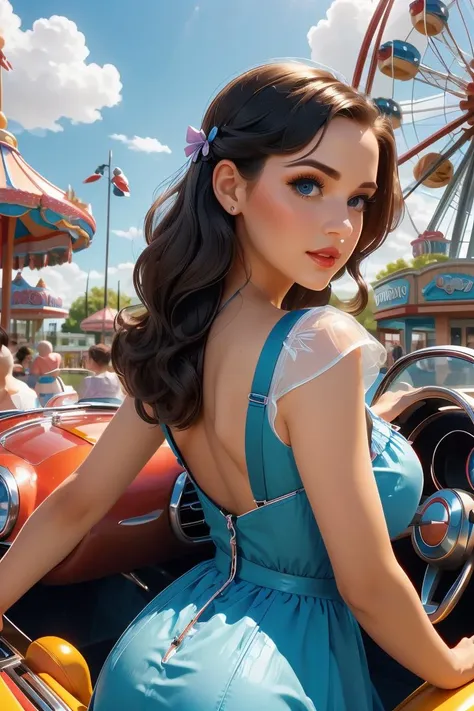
[(119, 181)]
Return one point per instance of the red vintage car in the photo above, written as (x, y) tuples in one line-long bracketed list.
[(156, 531)]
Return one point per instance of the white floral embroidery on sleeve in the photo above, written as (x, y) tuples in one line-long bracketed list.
[(299, 342)]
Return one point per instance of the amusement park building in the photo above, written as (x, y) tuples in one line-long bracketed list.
[(431, 306)]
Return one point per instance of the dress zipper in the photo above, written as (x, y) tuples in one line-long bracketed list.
[(177, 641)]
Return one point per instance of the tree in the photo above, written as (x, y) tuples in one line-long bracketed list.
[(77, 312), (416, 263)]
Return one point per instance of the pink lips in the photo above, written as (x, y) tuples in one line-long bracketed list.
[(325, 258)]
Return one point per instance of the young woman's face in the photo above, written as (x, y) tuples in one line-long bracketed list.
[(303, 216)]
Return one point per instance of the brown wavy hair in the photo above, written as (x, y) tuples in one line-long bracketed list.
[(274, 109)]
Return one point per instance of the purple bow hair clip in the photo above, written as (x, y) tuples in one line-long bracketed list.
[(198, 142)]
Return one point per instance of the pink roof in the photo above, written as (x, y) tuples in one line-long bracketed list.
[(103, 320), (34, 303), (51, 223), (429, 236)]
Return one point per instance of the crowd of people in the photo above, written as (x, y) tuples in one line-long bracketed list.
[(30, 378)]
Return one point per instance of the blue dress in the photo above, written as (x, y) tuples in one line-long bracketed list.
[(262, 625)]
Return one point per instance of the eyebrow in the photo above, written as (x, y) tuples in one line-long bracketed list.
[(331, 172)]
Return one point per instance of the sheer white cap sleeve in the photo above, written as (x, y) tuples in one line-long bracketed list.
[(317, 341)]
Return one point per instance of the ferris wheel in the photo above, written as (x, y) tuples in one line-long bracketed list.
[(425, 72)]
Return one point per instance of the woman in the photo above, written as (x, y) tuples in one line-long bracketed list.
[(291, 182), (14, 394), (22, 365), (46, 368), (103, 384)]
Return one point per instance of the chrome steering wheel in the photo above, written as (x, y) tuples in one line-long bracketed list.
[(443, 537), (442, 532)]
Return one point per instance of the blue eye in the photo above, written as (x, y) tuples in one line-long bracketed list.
[(359, 202), (306, 187)]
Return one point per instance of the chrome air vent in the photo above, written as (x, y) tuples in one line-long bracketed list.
[(186, 514)]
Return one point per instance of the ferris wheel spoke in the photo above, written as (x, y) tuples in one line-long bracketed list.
[(435, 85), (373, 62), (449, 128), (443, 40), (468, 34), (367, 41), (461, 53), (466, 200), (449, 77), (435, 44), (450, 194), (433, 167)]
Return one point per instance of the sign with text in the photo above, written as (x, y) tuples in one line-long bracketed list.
[(450, 287), (393, 293)]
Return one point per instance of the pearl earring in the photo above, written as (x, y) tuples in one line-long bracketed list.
[(232, 208)]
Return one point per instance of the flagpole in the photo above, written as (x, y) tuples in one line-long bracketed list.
[(87, 295), (118, 296), (107, 238)]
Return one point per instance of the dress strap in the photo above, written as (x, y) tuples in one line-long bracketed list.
[(172, 445), (258, 399)]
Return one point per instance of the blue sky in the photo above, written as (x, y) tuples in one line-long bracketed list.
[(86, 70), (172, 55)]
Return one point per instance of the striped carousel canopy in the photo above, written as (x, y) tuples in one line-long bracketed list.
[(50, 224)]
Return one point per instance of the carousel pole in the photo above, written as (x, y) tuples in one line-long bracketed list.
[(8, 235)]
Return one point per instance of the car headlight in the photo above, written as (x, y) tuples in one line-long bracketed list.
[(9, 502)]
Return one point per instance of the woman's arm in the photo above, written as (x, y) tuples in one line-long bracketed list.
[(327, 428), (63, 519), (35, 369), (390, 405)]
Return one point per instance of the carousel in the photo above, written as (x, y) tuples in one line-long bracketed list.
[(102, 322), (40, 224), (31, 306)]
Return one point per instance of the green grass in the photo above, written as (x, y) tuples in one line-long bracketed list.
[(73, 379)]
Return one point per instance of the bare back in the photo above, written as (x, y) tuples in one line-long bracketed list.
[(214, 448)]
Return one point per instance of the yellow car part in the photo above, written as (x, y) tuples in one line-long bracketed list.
[(7, 700), (428, 698), (55, 658), (64, 695)]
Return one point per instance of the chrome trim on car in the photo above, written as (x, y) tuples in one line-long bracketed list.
[(466, 354), (432, 467), (52, 417), (8, 656), (411, 437), (35, 689), (20, 426), (175, 506), (14, 501), (140, 520), (455, 397)]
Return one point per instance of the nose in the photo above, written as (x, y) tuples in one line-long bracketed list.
[(336, 222)]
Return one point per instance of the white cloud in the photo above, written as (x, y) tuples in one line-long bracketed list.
[(51, 78), (131, 233), (335, 40), (69, 280), (141, 145)]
